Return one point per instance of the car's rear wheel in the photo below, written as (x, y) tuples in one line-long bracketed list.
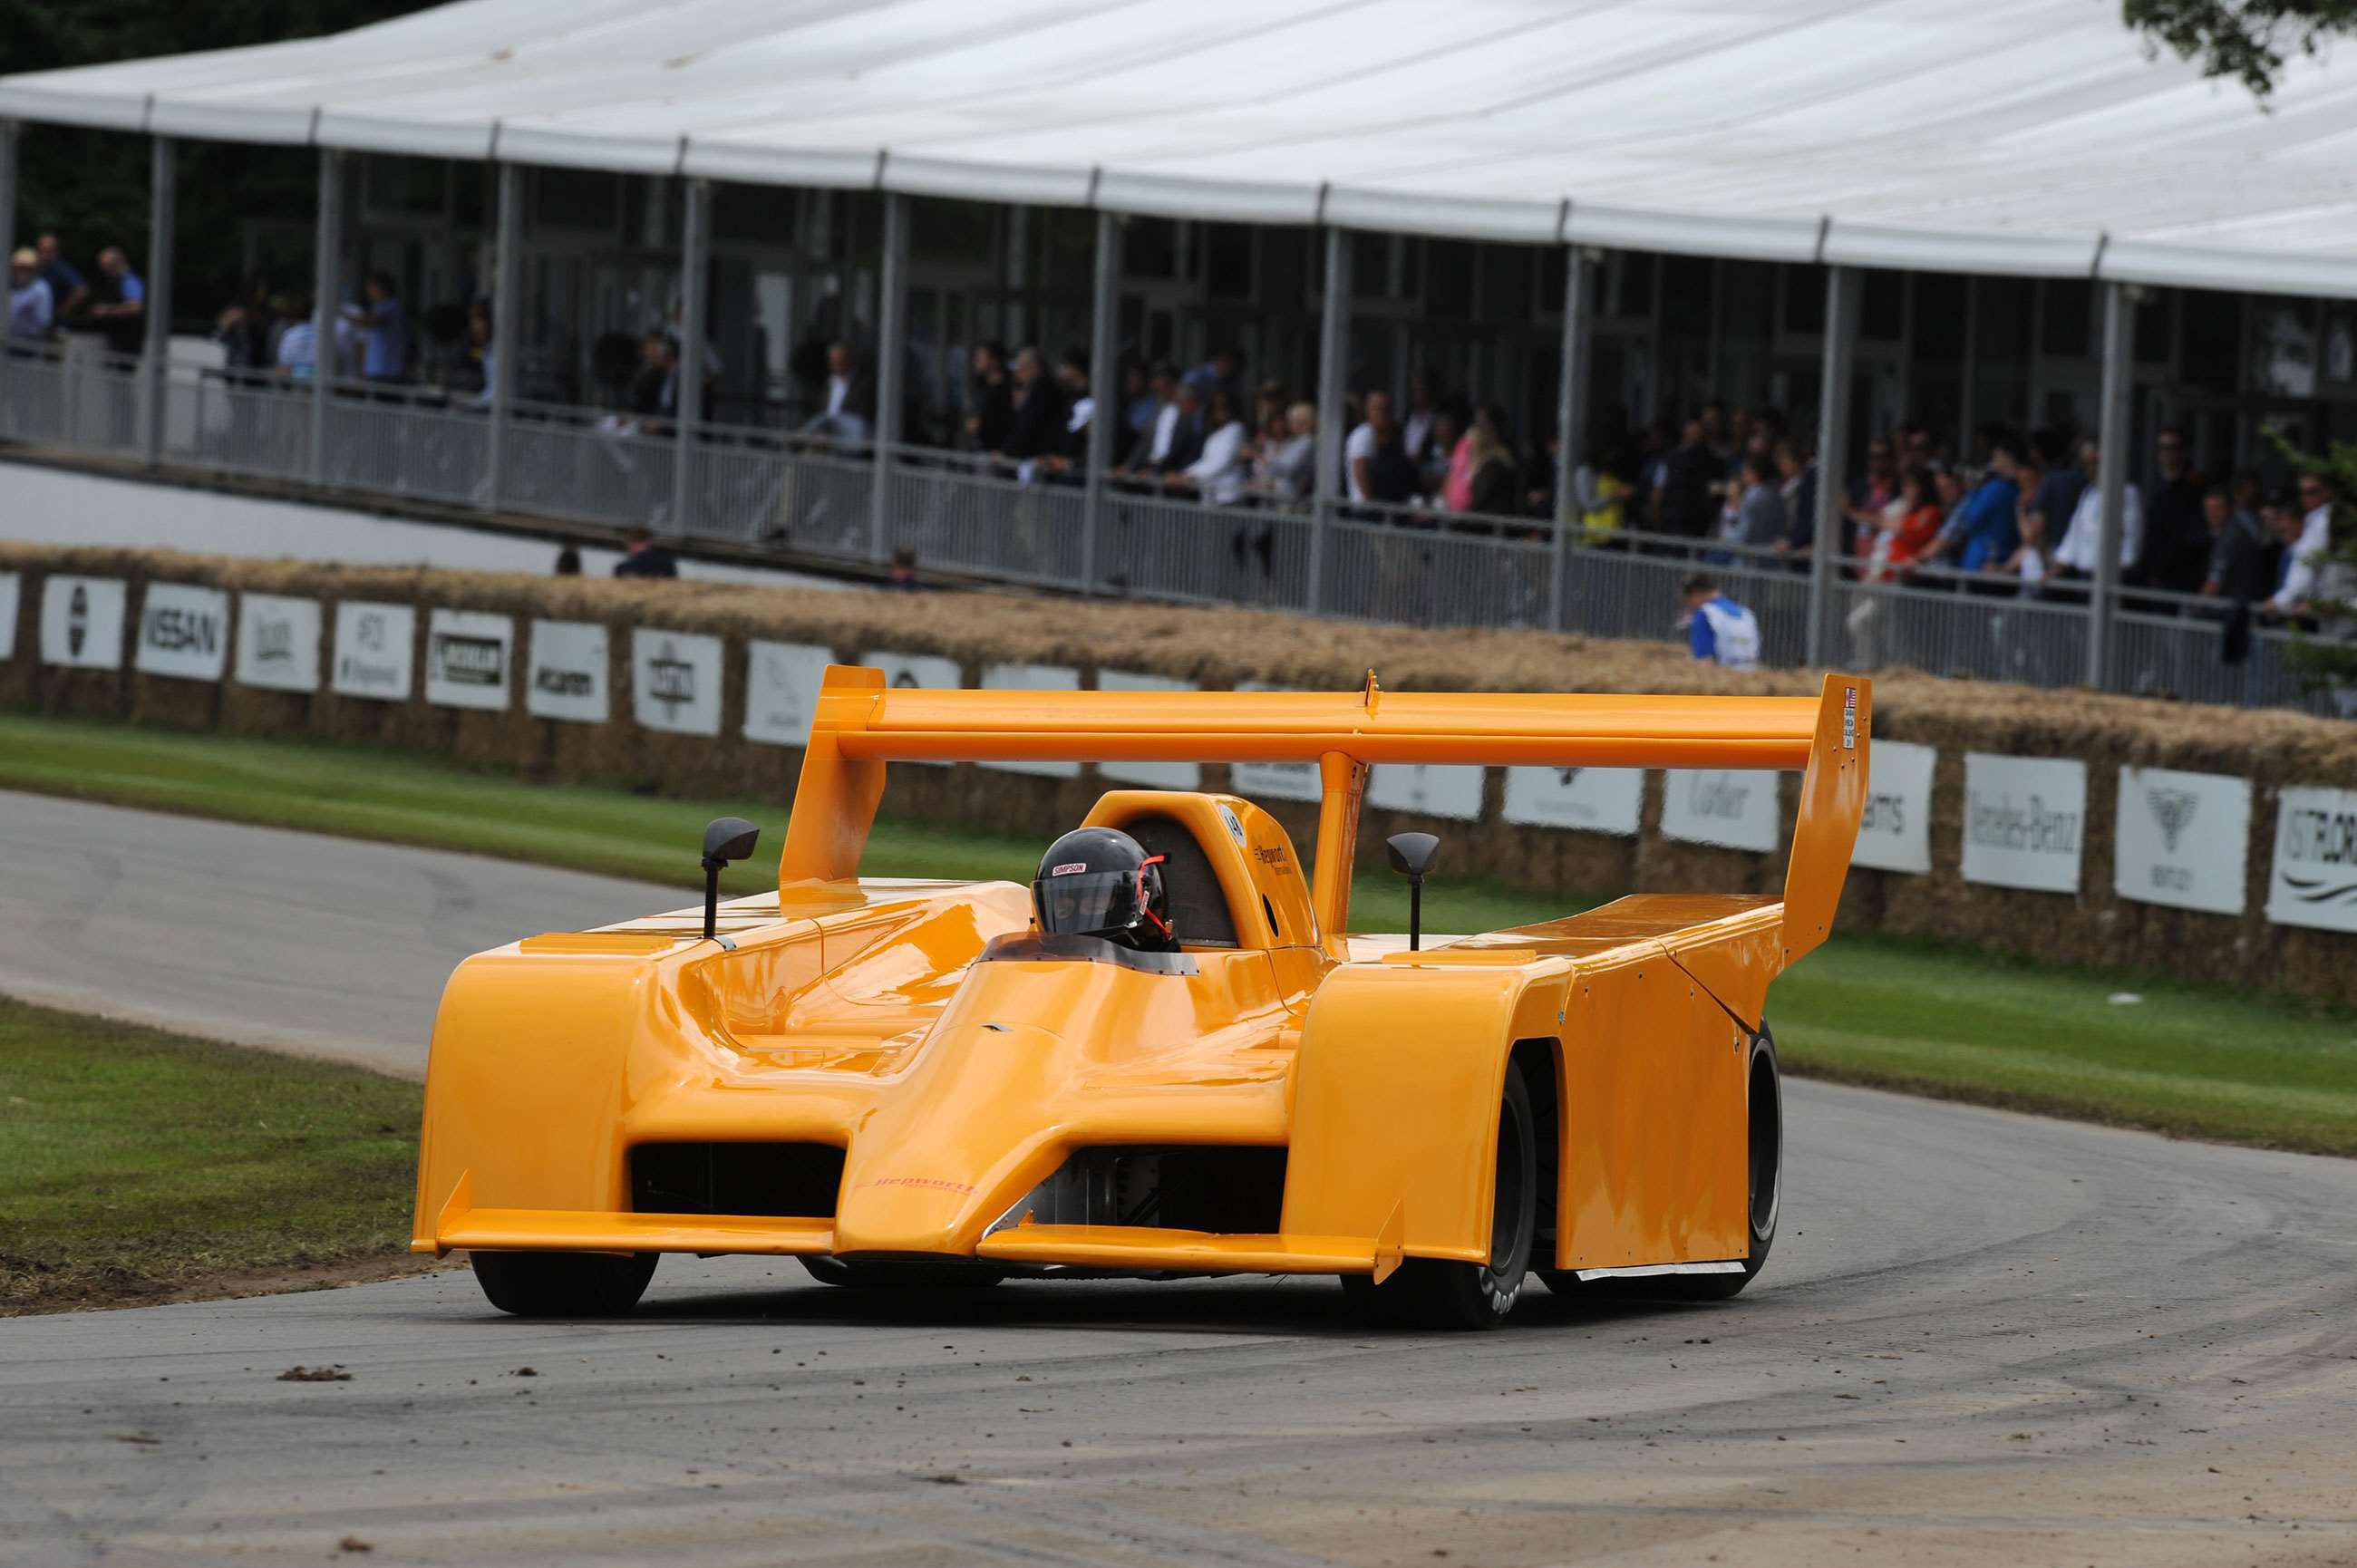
[(1764, 1161), (564, 1285), (1429, 1293)]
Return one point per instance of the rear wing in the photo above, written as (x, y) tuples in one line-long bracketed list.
[(861, 724)]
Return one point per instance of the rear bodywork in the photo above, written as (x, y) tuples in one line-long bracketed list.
[(894, 1069)]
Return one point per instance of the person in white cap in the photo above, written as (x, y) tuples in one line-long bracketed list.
[(32, 308)]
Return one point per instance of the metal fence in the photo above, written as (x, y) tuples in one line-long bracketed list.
[(804, 495)]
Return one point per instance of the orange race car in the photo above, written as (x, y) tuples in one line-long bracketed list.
[(1163, 1058)]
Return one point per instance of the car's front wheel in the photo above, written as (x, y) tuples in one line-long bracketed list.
[(564, 1285), (1430, 1293)]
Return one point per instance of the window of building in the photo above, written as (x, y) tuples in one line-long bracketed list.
[(753, 214), (2213, 332), (2283, 350), (1149, 248), (945, 231), (1448, 293), (584, 200), (1228, 261)]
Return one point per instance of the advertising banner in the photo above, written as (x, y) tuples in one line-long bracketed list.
[(11, 589), (467, 657), (781, 682), (1148, 774), (1589, 800), (82, 622), (565, 672), (2183, 839), (923, 669), (376, 651), (1273, 781), (183, 632), (2313, 881), (675, 681), (278, 642), (1733, 808), (1033, 678), (1895, 833), (1433, 788), (2024, 822)]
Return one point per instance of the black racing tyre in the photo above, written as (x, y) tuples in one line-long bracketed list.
[(564, 1285), (1429, 1293), (1764, 1143), (900, 1275)]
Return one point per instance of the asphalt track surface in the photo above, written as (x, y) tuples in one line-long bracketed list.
[(299, 940), (1983, 1339)]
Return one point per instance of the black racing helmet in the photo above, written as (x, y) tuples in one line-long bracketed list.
[(1100, 882)]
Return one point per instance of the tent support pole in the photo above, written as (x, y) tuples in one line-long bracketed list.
[(10, 132), (1105, 329), (326, 266), (507, 263), (2111, 475), (891, 363), (1569, 420), (695, 260), (1833, 457), (1333, 359), (158, 310)]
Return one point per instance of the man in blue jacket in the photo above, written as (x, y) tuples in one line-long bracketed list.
[(1985, 530)]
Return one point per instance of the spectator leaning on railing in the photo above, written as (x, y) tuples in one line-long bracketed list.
[(383, 326), (2076, 555), (2296, 583), (2238, 550), (32, 307), (68, 292), (121, 311)]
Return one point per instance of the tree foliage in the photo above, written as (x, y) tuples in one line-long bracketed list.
[(91, 187), (2247, 40)]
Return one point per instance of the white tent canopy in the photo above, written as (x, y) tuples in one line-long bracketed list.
[(2024, 136)]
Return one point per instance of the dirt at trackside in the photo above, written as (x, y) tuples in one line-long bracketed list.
[(85, 1293)]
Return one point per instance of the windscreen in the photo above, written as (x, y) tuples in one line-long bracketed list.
[(1081, 902)]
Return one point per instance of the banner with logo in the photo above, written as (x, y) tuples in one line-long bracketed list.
[(376, 651), (11, 590), (2314, 879), (82, 622), (1589, 800), (926, 670), (781, 684), (1733, 808), (467, 655), (1273, 781), (1895, 833), (278, 642), (565, 672), (183, 632), (1148, 774), (675, 681), (2024, 822), (1033, 678), (1435, 789), (2183, 839)]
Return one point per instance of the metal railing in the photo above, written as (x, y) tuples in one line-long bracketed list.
[(813, 495)]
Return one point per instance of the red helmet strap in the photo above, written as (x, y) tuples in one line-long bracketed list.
[(1142, 903)]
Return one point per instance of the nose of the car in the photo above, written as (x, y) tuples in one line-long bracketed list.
[(979, 1118)]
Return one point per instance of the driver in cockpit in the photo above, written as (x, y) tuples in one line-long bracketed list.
[(1100, 882)]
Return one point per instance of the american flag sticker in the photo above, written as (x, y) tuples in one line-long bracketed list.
[(1849, 718)]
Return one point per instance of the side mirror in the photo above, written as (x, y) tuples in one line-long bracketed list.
[(726, 840), (1412, 856)]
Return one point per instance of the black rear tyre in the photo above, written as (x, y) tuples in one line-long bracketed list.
[(1428, 1293), (1764, 1141), (564, 1285)]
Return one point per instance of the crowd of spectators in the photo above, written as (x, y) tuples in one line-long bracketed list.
[(48, 296)]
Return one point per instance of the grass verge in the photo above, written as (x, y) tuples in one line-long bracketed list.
[(2193, 1060), (136, 1164)]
